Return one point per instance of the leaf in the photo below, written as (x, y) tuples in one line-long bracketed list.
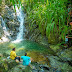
[(47, 2)]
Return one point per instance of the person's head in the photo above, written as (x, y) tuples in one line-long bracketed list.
[(13, 49), (25, 54)]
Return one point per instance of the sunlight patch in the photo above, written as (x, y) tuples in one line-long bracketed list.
[(4, 39)]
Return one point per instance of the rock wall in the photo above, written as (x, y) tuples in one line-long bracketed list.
[(10, 19)]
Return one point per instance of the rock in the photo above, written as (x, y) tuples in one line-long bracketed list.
[(65, 54), (37, 57), (55, 48), (10, 20), (45, 67), (36, 67), (21, 68), (59, 66), (1, 32), (7, 64)]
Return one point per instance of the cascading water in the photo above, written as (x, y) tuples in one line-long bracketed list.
[(4, 27), (20, 16), (6, 33)]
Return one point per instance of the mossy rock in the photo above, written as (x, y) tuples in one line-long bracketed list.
[(66, 55), (7, 64), (55, 48), (38, 57), (66, 68), (21, 68)]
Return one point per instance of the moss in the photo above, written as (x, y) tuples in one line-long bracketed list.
[(55, 48)]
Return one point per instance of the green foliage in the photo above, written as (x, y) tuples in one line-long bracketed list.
[(0, 2), (15, 2), (49, 15)]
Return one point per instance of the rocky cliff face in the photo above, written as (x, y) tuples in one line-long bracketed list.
[(10, 19)]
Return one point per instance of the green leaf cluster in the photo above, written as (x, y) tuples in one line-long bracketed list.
[(49, 15)]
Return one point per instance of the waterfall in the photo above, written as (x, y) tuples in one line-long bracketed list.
[(6, 33), (4, 27), (20, 16)]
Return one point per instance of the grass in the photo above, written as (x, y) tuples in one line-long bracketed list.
[(49, 15)]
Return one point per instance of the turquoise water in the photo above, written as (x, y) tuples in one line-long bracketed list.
[(37, 51), (26, 46)]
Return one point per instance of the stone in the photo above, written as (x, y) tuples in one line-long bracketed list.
[(55, 48), (65, 54), (7, 64), (59, 66)]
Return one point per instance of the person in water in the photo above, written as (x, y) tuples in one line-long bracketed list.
[(13, 55), (26, 60)]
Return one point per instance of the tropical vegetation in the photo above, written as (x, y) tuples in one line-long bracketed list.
[(49, 15)]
